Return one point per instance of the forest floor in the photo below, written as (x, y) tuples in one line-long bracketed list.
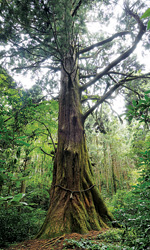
[(58, 243)]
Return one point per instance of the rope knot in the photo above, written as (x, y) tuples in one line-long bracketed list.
[(74, 191)]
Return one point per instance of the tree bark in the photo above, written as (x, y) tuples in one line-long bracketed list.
[(114, 184), (75, 202)]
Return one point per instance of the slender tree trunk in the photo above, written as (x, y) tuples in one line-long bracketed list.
[(75, 202), (23, 182), (106, 167), (114, 184)]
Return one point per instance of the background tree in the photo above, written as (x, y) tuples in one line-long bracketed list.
[(135, 203), (26, 159), (53, 35), (110, 144)]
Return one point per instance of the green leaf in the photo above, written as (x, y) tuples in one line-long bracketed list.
[(142, 101), (147, 92), (134, 103), (24, 178), (22, 137), (17, 184), (22, 143), (23, 203), (2, 161), (146, 14), (147, 98), (6, 198), (18, 197), (130, 107), (148, 27)]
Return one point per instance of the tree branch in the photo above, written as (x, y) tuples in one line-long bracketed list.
[(121, 57), (134, 91), (76, 8), (116, 73), (115, 87), (86, 76), (48, 133), (46, 153), (104, 97), (35, 65), (91, 97), (115, 112), (104, 41)]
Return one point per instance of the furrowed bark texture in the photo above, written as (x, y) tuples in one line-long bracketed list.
[(72, 207)]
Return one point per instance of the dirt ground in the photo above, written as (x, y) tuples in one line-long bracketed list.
[(53, 244)]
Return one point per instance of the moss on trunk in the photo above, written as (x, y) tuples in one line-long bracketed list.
[(75, 203)]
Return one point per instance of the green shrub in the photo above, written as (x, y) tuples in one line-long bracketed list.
[(113, 235), (18, 226), (133, 212), (91, 245)]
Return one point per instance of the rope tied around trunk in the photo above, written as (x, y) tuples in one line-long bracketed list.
[(74, 191)]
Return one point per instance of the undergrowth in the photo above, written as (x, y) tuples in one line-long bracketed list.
[(110, 240), (17, 227)]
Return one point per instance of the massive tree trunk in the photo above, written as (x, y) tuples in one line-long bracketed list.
[(75, 202)]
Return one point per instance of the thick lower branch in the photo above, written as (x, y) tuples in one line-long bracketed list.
[(91, 97), (104, 97), (104, 41), (115, 87)]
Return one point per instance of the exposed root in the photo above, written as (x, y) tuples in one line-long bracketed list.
[(52, 242)]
